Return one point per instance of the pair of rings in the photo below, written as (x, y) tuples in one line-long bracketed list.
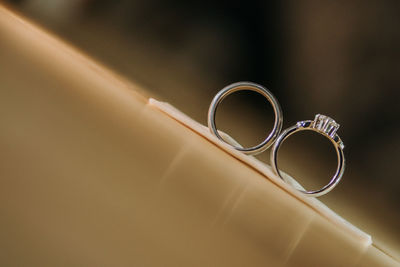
[(321, 124)]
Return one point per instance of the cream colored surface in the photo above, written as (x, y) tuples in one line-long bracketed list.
[(91, 175), (265, 170)]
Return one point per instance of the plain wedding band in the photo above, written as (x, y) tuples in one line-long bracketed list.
[(235, 87)]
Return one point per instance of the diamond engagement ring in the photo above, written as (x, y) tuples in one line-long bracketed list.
[(249, 86), (325, 126)]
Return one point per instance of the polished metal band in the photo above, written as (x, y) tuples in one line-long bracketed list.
[(251, 87), (325, 126)]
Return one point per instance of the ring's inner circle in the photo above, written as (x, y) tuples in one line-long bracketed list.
[(246, 116), (308, 157)]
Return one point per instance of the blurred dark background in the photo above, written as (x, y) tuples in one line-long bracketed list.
[(339, 58)]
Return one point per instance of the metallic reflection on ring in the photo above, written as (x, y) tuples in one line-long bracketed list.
[(325, 126), (249, 86)]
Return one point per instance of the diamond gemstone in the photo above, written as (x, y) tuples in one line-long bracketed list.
[(325, 124)]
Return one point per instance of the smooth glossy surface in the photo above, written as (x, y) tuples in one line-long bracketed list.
[(325, 126), (230, 89)]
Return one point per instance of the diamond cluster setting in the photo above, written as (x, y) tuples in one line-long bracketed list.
[(325, 125)]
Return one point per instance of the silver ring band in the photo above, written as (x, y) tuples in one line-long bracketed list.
[(325, 126), (251, 87)]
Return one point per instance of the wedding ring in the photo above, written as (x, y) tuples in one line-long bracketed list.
[(247, 86), (325, 126)]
